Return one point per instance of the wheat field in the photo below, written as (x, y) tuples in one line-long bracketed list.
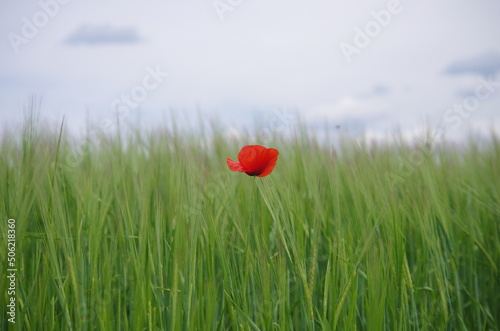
[(152, 231)]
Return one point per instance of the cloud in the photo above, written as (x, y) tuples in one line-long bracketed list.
[(381, 90), (484, 64), (103, 34), (350, 109)]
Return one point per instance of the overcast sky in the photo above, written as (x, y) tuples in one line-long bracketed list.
[(367, 66)]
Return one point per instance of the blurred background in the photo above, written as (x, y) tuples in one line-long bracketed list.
[(364, 67)]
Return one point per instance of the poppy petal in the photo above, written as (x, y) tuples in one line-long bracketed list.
[(255, 160), (234, 166), (249, 156), (272, 155), (261, 162)]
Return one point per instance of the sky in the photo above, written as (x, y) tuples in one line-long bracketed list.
[(368, 67)]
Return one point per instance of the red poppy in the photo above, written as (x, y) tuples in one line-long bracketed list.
[(255, 160)]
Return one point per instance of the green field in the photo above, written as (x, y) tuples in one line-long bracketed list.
[(151, 231)]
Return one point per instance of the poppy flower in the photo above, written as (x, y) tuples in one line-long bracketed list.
[(255, 160)]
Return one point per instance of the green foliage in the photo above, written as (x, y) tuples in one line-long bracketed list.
[(152, 231)]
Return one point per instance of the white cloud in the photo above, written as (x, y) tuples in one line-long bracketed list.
[(103, 34)]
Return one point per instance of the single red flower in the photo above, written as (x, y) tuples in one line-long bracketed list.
[(255, 160)]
